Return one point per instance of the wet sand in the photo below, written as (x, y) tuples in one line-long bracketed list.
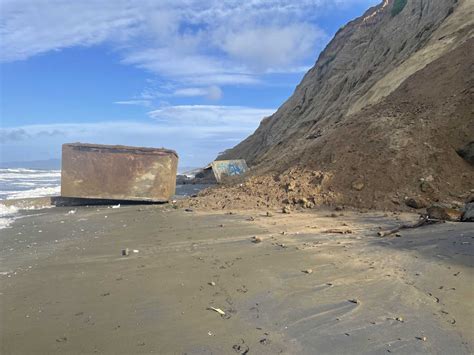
[(65, 287)]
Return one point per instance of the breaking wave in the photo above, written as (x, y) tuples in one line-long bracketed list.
[(7, 214), (22, 184), (28, 183)]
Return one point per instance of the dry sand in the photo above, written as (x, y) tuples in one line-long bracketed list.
[(66, 288)]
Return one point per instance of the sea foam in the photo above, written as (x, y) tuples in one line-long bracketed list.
[(7, 214)]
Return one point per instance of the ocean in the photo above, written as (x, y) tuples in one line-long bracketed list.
[(25, 183)]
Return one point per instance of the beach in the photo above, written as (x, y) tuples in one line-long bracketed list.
[(225, 282), (221, 177)]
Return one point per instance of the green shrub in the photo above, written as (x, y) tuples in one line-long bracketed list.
[(398, 6)]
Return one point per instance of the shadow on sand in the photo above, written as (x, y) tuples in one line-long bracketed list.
[(450, 242), (60, 201)]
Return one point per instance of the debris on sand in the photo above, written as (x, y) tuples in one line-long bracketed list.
[(338, 231), (125, 252), (426, 187), (218, 310), (444, 213), (416, 202), (308, 271), (255, 239), (358, 185), (305, 203), (422, 222), (354, 300), (212, 283), (241, 348), (467, 152), (468, 214)]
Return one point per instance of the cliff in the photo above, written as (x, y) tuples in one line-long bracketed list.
[(381, 115)]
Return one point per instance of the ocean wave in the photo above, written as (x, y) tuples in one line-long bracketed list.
[(47, 183), (19, 183), (6, 211), (18, 170), (7, 214), (38, 192), (24, 183), (31, 176)]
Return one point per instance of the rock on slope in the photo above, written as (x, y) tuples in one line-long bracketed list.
[(379, 117)]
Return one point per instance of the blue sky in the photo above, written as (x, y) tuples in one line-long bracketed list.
[(194, 76)]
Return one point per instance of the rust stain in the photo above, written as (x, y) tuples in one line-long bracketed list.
[(118, 172)]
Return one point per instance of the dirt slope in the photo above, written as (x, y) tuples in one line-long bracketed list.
[(378, 118)]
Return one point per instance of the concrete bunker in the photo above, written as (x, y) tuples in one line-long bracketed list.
[(215, 172), (116, 172), (222, 169)]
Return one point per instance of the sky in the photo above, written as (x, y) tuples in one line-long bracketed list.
[(190, 75)]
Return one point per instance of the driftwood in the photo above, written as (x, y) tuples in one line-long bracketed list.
[(424, 221), (338, 231)]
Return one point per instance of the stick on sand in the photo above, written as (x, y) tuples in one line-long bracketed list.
[(425, 221)]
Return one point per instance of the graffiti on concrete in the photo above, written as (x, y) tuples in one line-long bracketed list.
[(223, 168)]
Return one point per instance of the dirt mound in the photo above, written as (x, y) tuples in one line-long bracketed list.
[(379, 119), (294, 187)]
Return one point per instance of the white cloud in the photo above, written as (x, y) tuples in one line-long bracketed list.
[(265, 48), (146, 103), (30, 27), (212, 92), (211, 115), (215, 42), (155, 91), (224, 79)]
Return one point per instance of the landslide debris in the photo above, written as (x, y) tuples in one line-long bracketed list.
[(384, 115)]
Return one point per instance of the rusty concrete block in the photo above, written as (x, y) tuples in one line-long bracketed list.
[(118, 172)]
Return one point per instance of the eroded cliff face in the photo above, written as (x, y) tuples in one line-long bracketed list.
[(387, 104), (361, 54)]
